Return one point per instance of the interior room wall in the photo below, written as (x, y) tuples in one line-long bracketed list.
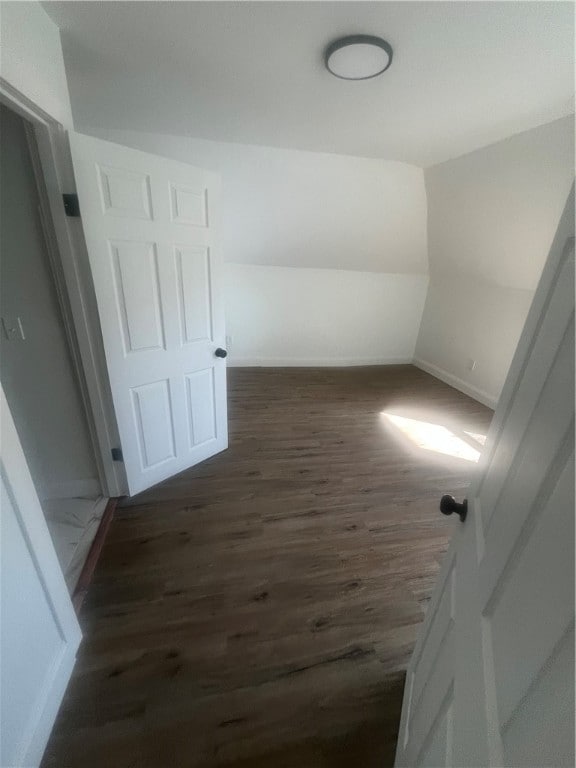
[(492, 215), (280, 316), (325, 254), (31, 58), (37, 373)]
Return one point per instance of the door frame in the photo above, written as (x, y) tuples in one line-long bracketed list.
[(54, 174)]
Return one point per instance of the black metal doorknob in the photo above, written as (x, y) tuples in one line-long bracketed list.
[(221, 352), (449, 505)]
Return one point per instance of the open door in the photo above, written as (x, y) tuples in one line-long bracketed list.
[(151, 228), (491, 681)]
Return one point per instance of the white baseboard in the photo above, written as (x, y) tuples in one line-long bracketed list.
[(463, 386), (88, 486), (314, 362)]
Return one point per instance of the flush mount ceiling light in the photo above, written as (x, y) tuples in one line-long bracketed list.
[(358, 57)]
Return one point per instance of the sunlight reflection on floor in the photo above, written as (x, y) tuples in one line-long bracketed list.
[(435, 437)]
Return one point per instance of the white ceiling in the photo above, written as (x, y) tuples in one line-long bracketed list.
[(464, 75)]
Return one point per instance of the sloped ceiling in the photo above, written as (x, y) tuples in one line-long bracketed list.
[(465, 74)]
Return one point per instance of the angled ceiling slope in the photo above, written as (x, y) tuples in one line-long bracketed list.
[(464, 75)]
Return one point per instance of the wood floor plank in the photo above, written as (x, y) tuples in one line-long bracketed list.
[(261, 608)]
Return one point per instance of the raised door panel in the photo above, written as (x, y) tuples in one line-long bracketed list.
[(194, 290), (189, 205), (541, 730), (436, 751), (124, 193), (532, 608), (137, 292), (200, 387), (428, 735), (154, 420)]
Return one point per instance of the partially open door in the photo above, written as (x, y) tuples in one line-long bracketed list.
[(491, 681), (152, 233)]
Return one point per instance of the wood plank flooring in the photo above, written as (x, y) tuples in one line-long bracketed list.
[(260, 609)]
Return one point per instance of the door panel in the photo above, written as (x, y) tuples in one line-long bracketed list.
[(527, 610), (137, 289), (124, 193), (538, 731), (151, 228), (491, 679), (439, 629), (201, 406), (194, 291), (432, 681), (437, 746), (155, 422), (188, 205)]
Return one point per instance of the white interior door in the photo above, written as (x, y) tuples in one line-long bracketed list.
[(39, 633), (491, 681), (151, 228)]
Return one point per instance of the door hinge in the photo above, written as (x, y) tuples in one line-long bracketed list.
[(71, 204), (117, 454)]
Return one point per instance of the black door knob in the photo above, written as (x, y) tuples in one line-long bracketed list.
[(449, 505), (221, 352)]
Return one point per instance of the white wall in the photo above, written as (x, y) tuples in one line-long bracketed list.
[(492, 216), (326, 255), (31, 58), (471, 319), (290, 316), (290, 208)]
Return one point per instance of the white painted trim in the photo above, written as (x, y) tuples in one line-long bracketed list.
[(88, 486), (58, 177), (463, 386), (52, 695), (58, 490), (315, 362), (30, 518)]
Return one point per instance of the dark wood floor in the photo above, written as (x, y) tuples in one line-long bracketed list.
[(260, 609)]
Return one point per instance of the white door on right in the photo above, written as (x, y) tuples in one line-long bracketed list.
[(491, 680)]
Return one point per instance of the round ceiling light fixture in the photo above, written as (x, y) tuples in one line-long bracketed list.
[(358, 57)]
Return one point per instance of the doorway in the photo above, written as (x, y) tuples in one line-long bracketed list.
[(38, 373)]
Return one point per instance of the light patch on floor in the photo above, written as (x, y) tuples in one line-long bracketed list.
[(435, 437)]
